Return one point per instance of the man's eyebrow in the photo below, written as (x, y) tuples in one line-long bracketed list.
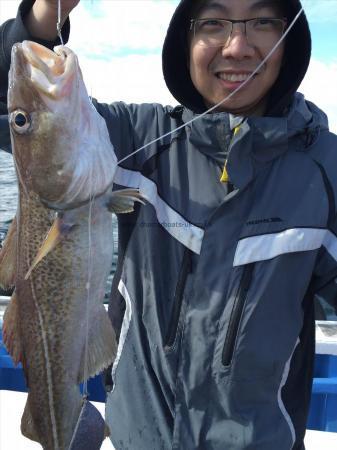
[(213, 5), (260, 4), (257, 5)]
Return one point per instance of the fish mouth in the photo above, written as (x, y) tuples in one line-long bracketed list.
[(50, 72)]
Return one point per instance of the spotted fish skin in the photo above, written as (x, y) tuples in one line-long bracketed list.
[(52, 315), (58, 254)]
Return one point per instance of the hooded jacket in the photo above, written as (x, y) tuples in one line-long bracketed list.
[(213, 297), (215, 287)]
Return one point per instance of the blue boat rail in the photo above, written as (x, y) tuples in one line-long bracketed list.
[(323, 410)]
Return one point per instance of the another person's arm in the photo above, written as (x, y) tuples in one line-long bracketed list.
[(42, 19)]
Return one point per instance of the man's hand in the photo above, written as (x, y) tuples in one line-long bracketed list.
[(42, 19)]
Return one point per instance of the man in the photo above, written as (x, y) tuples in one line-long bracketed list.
[(212, 301)]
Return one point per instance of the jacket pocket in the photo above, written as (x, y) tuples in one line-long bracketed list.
[(186, 267), (236, 314)]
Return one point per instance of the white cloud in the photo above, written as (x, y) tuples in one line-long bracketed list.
[(319, 86), (8, 9), (131, 24), (111, 73), (135, 79)]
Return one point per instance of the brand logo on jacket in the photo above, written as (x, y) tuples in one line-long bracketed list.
[(268, 220)]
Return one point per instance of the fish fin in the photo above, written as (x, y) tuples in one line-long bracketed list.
[(8, 258), (27, 423), (10, 331), (54, 236), (102, 345), (90, 429), (123, 200)]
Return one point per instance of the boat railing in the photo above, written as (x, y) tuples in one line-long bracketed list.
[(4, 300)]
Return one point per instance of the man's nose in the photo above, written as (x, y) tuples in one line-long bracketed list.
[(237, 45)]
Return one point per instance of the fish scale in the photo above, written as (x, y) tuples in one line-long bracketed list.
[(52, 354)]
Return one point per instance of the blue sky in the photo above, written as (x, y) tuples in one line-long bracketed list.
[(119, 47), (324, 40), (322, 16)]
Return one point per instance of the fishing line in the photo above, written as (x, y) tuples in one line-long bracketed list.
[(272, 51), (92, 198), (85, 392), (86, 346), (58, 23), (91, 201), (77, 425)]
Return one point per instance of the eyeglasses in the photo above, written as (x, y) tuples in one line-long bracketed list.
[(262, 32)]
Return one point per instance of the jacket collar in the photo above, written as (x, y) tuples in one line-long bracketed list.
[(259, 139)]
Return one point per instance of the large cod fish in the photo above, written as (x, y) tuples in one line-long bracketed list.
[(59, 249)]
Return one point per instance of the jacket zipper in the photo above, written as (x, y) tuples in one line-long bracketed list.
[(186, 267), (236, 314)]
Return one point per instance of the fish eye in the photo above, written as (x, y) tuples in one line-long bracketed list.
[(20, 121)]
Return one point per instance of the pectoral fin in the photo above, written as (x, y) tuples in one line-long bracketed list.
[(8, 258), (54, 236), (122, 201), (10, 331)]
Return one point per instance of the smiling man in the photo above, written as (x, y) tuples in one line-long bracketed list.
[(213, 298), (223, 53)]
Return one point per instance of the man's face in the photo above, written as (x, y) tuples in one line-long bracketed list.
[(218, 71)]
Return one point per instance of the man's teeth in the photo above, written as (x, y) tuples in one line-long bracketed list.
[(234, 77)]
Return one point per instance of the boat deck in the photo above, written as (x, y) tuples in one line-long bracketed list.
[(12, 405)]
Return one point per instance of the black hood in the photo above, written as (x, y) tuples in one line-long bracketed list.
[(296, 60)]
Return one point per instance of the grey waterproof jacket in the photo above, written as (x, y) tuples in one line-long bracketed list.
[(215, 288), (213, 298)]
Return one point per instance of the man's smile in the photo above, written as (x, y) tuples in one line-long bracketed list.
[(234, 76)]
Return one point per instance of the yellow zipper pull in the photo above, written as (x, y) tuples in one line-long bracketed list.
[(224, 177)]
